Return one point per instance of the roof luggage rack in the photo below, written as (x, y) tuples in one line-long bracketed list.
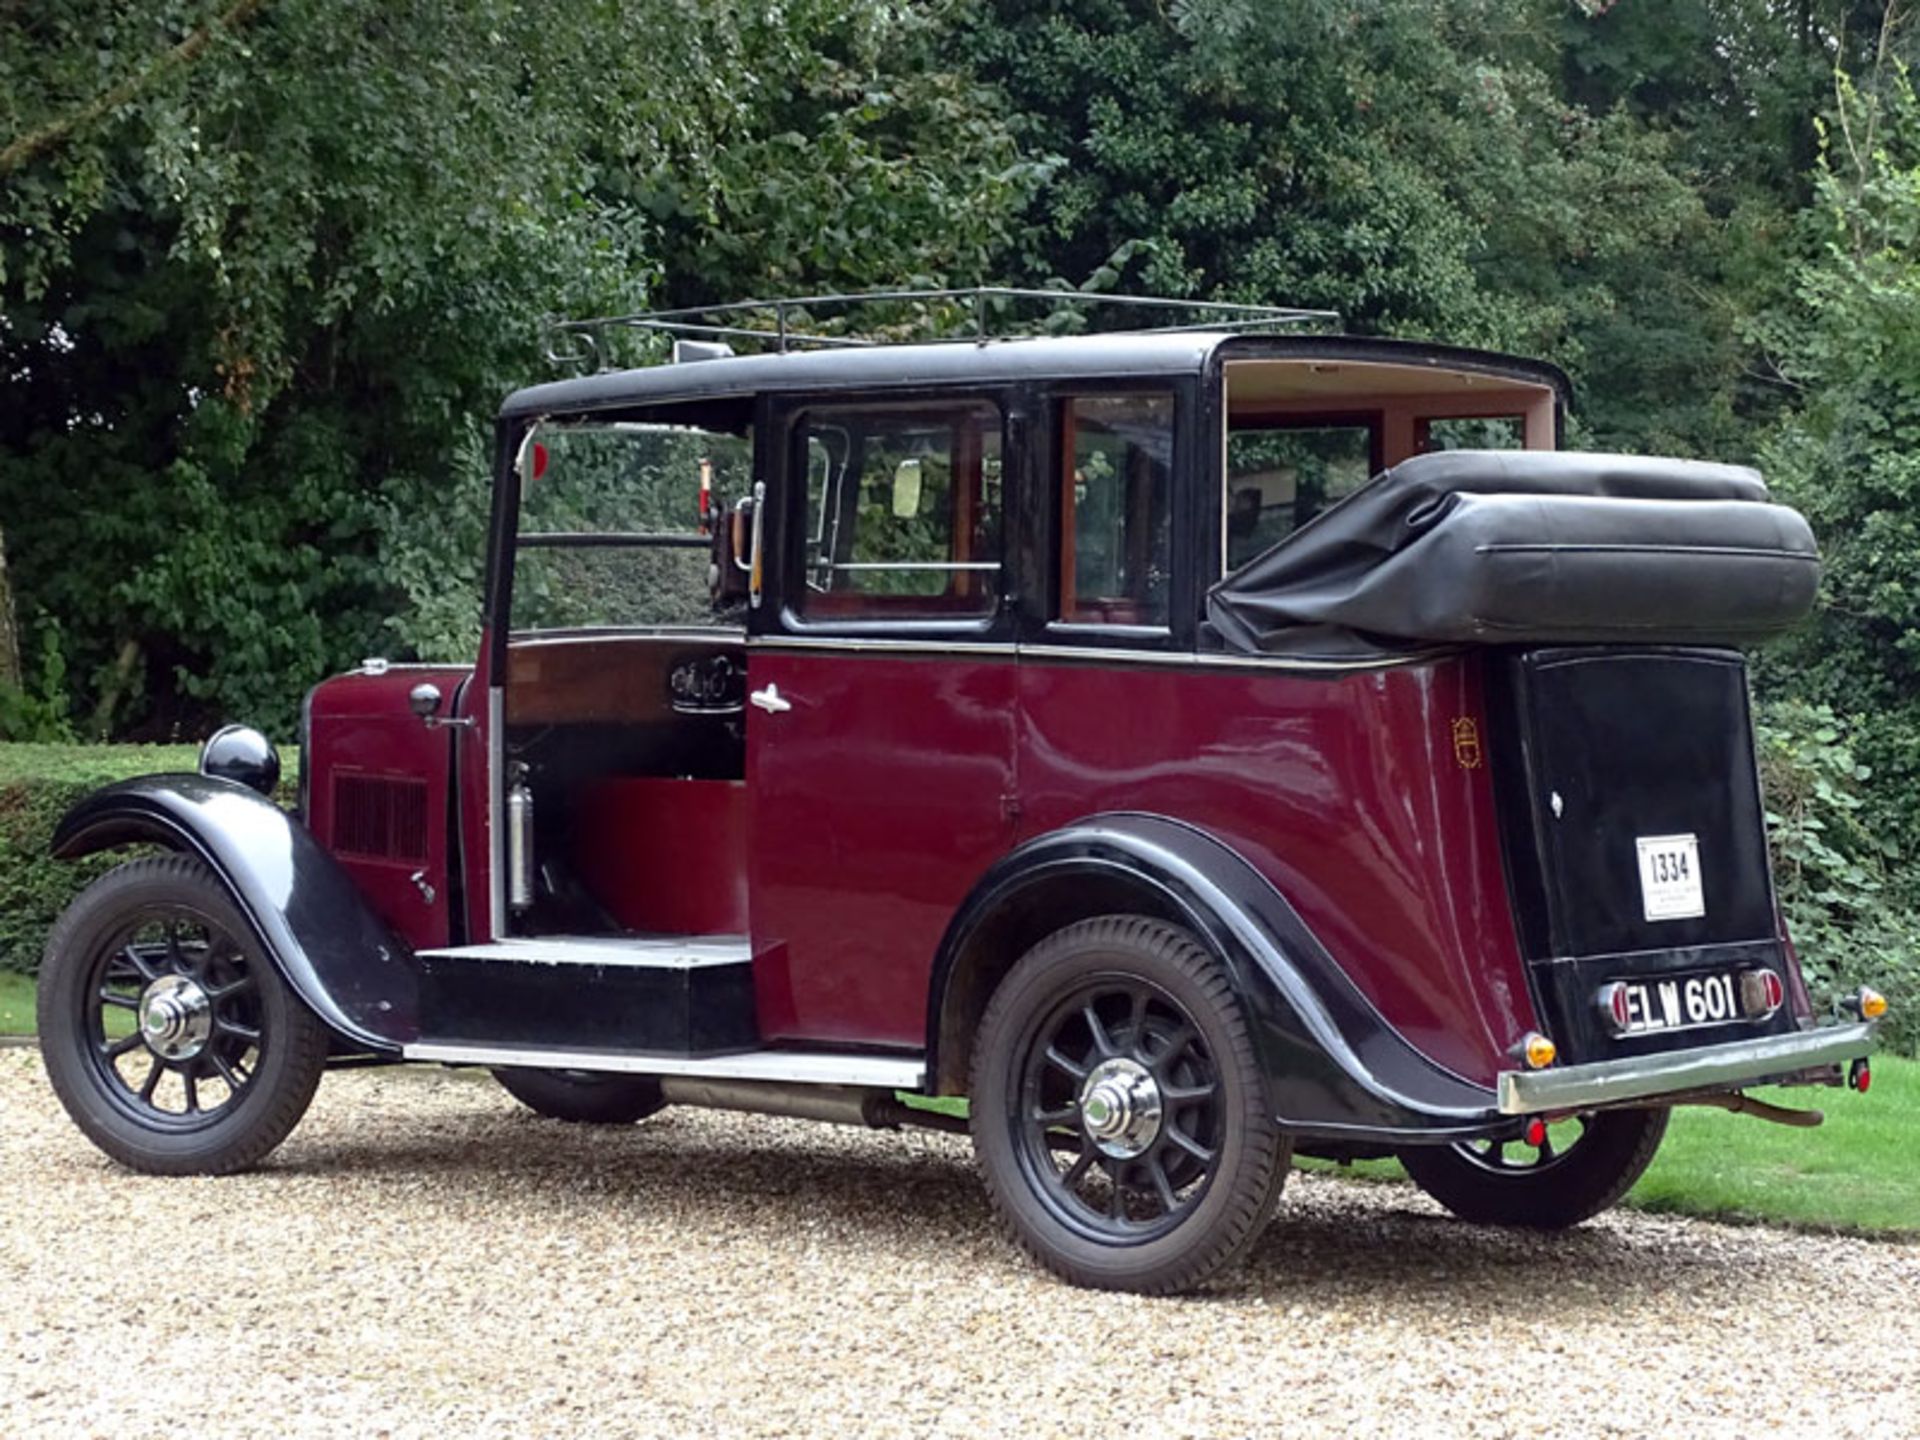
[(974, 315)]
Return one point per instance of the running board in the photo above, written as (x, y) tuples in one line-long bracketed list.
[(664, 952), (798, 1067)]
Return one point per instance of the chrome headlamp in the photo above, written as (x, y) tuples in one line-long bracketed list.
[(239, 752)]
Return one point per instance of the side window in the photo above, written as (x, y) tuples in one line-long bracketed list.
[(1280, 476), (1116, 498), (903, 512), (1479, 432)]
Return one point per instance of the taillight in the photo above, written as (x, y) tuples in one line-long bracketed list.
[(1761, 992), (1612, 998)]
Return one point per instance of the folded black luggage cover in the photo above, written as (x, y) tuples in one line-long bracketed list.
[(1512, 546)]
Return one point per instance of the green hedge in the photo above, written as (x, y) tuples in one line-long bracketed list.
[(37, 785)]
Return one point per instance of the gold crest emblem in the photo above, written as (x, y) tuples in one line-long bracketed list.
[(1466, 742)]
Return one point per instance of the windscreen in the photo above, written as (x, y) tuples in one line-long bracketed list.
[(613, 523)]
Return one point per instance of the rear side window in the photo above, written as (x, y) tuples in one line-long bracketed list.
[(1470, 432), (904, 512), (1116, 500), (1282, 474)]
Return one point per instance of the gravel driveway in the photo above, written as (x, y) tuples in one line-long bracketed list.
[(425, 1259)]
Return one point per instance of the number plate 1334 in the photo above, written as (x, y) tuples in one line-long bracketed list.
[(1670, 877)]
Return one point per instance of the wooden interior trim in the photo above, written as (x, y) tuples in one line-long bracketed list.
[(618, 679)]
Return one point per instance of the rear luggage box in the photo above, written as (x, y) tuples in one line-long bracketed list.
[(1636, 849)]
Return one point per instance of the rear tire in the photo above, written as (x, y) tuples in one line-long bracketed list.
[(1119, 1111), (580, 1097), (167, 1033), (1552, 1188)]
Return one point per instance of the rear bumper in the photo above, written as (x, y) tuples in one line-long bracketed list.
[(1578, 1087)]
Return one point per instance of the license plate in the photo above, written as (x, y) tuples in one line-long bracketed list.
[(1670, 877), (1682, 1003)]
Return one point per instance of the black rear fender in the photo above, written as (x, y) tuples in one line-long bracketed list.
[(1336, 1068), (318, 931)]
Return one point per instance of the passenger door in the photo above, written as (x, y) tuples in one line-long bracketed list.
[(880, 733)]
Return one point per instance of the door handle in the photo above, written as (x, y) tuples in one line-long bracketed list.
[(771, 700)]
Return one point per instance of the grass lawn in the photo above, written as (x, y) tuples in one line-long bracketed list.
[(1856, 1172), (16, 1004)]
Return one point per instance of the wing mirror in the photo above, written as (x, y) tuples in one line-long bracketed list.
[(424, 701)]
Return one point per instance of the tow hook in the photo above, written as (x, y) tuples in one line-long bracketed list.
[(1860, 1076), (1737, 1104)]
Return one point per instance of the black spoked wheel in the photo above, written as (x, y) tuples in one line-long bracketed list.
[(168, 1037), (1121, 1110), (1118, 1110), (1583, 1165), (583, 1097)]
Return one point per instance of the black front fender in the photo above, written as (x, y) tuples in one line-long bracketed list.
[(338, 956), (1336, 1067)]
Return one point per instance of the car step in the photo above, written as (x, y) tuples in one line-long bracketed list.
[(675, 995)]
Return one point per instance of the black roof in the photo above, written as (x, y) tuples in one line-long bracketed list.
[(1097, 357)]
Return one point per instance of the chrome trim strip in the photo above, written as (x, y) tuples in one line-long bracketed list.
[(601, 634), (496, 802), (387, 667), (1098, 630), (634, 952), (1202, 660), (1115, 655), (799, 1067), (942, 566), (1526, 1092), (883, 647)]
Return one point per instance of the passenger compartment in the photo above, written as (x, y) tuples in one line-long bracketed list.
[(632, 748)]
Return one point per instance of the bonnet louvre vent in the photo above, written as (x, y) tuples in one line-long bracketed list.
[(380, 818)]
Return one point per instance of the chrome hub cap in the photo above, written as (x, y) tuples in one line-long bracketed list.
[(176, 1017), (1120, 1108)]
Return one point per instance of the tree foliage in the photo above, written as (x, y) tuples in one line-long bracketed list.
[(1847, 342), (268, 269), (1418, 168)]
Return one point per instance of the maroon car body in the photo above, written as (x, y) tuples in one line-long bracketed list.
[(1418, 811)]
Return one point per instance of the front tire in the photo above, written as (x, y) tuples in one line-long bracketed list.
[(1586, 1165), (583, 1098), (166, 1032), (1119, 1111)]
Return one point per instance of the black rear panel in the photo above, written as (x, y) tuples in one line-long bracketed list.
[(1604, 752)]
